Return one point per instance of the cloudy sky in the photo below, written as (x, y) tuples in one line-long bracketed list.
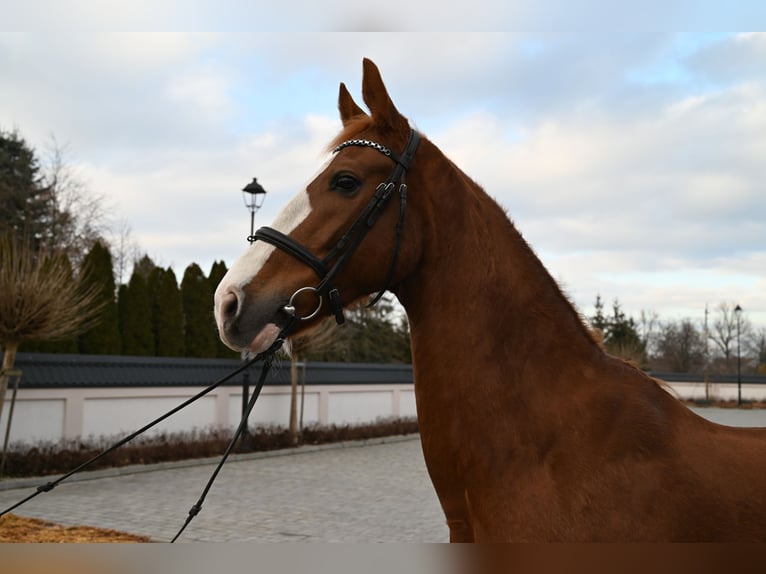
[(633, 163)]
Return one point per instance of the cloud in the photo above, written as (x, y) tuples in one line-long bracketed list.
[(186, 205), (692, 169), (630, 154), (729, 60), (674, 192), (107, 91)]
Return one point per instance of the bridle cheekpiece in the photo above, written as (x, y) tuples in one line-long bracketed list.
[(331, 265)]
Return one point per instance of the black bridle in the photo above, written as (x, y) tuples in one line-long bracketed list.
[(331, 265)]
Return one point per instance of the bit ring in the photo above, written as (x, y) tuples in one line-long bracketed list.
[(290, 307)]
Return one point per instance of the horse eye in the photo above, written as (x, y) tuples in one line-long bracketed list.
[(345, 184)]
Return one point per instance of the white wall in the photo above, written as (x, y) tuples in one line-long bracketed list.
[(53, 414), (719, 391)]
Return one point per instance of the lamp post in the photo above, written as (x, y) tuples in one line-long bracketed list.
[(253, 194), (738, 313)]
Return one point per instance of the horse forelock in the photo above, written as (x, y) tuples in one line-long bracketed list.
[(351, 130), (361, 124)]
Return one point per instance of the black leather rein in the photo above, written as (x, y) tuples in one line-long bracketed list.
[(328, 268)]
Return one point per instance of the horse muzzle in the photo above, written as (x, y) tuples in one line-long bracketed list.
[(249, 323)]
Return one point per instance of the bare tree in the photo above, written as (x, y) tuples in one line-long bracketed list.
[(648, 325), (125, 251), (77, 216), (39, 300), (726, 329), (681, 347), (757, 347)]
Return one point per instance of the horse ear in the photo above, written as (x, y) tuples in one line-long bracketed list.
[(347, 106), (377, 99)]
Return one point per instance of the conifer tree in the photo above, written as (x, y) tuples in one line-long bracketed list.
[(619, 333), (144, 266), (167, 313), (199, 325), (24, 197), (69, 346), (217, 271), (104, 337), (370, 335), (122, 314), (47, 206), (135, 310)]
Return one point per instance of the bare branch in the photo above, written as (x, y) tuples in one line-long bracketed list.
[(39, 298), (726, 327), (77, 215), (125, 250)]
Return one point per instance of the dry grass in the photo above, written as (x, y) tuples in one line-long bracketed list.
[(18, 529)]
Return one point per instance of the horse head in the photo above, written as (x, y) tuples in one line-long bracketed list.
[(334, 242)]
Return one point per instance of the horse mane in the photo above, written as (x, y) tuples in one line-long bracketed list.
[(529, 253), (595, 336)]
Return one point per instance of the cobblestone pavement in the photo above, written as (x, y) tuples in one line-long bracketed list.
[(354, 492), (374, 493)]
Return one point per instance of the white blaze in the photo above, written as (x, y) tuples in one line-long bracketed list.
[(251, 261)]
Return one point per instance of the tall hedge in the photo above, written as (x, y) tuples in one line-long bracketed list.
[(104, 337), (217, 271), (135, 307), (197, 301), (167, 313)]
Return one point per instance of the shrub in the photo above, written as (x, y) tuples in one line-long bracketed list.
[(44, 458)]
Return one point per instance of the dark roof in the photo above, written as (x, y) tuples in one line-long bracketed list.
[(43, 370)]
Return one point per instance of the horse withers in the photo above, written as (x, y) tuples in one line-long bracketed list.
[(529, 429)]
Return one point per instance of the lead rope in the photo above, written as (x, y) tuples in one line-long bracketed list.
[(268, 357), (195, 509)]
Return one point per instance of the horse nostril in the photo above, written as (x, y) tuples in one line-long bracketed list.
[(229, 307)]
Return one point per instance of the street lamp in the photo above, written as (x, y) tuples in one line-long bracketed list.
[(738, 313), (253, 194)]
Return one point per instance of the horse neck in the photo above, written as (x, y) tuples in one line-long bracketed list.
[(480, 295)]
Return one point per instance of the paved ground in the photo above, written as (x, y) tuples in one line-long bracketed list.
[(734, 417), (374, 493), (378, 492)]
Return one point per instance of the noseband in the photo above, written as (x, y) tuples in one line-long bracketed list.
[(331, 265)]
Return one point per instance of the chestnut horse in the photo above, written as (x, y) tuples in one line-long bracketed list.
[(529, 429)]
